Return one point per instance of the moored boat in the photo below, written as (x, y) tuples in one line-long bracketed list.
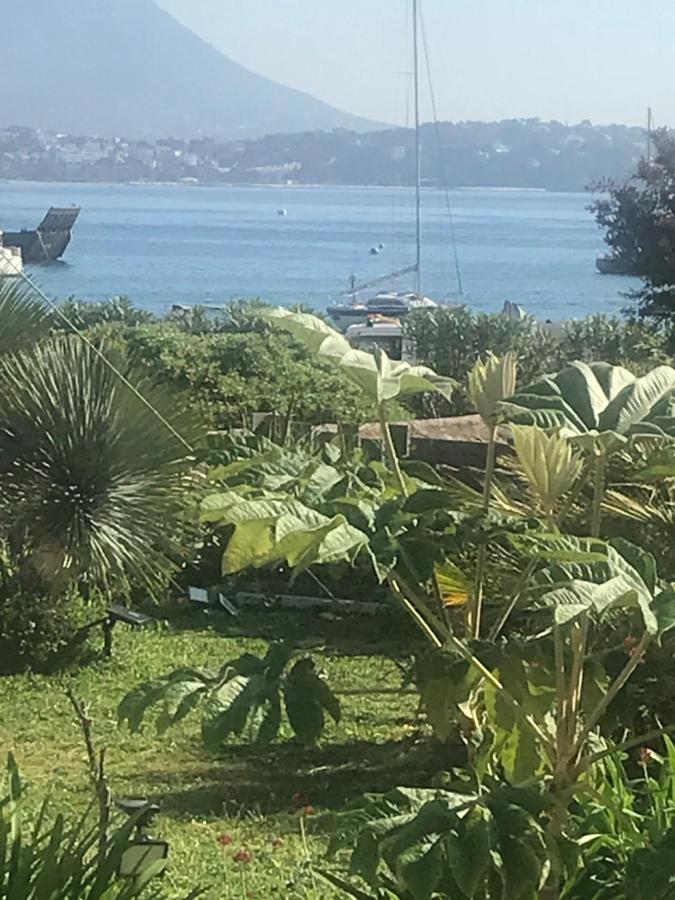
[(48, 242), (387, 303)]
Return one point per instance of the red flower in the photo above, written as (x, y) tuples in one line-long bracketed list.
[(630, 642), (243, 856), (277, 843), (225, 840), (645, 755)]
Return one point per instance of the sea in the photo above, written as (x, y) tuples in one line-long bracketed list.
[(162, 245)]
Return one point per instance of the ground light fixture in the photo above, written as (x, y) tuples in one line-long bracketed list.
[(114, 614), (117, 613), (142, 851)]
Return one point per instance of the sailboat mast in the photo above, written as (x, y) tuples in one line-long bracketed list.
[(649, 136), (418, 151)]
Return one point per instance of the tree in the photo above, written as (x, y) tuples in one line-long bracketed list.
[(638, 218)]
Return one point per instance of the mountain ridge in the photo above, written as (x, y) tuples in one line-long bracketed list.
[(128, 68)]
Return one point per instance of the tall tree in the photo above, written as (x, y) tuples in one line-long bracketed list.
[(638, 217)]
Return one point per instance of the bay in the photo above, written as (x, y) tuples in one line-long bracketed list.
[(167, 244)]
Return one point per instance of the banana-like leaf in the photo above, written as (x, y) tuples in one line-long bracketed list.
[(598, 404), (270, 530), (548, 461), (577, 597), (379, 377), (307, 329)]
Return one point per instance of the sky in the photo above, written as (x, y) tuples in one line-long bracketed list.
[(603, 60)]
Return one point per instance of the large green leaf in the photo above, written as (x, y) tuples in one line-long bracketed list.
[(548, 461), (379, 377), (470, 853), (137, 702), (578, 597), (229, 707), (307, 698), (270, 530), (596, 402), (637, 401)]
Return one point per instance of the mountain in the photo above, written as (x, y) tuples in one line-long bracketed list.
[(127, 68)]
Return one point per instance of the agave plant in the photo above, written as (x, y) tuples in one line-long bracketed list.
[(92, 477)]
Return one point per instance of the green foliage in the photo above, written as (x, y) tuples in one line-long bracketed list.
[(24, 318), (40, 633), (93, 483), (444, 843), (598, 404), (637, 218), (623, 830), (238, 366), (243, 697), (84, 316), (451, 341), (53, 858), (380, 378)]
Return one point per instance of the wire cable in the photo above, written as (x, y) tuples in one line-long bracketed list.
[(441, 162)]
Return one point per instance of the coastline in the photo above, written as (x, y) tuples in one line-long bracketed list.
[(492, 189)]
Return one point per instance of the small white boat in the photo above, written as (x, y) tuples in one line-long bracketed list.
[(392, 304)]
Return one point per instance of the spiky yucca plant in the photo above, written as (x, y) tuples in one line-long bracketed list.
[(24, 319), (92, 483)]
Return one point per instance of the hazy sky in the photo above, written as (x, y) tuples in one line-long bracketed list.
[(604, 60)]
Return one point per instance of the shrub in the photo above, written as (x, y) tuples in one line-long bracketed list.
[(40, 633)]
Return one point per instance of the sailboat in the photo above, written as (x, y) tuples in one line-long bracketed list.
[(388, 305)]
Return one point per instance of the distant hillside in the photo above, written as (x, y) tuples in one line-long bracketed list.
[(509, 154), (127, 68)]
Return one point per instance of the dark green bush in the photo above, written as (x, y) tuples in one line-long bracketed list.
[(41, 633)]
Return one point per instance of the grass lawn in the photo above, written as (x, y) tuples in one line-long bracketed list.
[(244, 792)]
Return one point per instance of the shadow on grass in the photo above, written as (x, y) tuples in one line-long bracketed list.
[(390, 634), (264, 781)]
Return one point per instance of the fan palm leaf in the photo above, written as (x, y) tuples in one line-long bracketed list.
[(24, 319), (92, 482)]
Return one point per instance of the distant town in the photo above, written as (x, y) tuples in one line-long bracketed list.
[(520, 153)]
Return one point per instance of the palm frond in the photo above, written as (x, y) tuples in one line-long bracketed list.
[(91, 481), (24, 319)]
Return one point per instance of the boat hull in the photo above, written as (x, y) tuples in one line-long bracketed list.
[(49, 241), (39, 247)]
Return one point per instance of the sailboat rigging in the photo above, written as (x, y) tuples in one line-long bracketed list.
[(395, 303)]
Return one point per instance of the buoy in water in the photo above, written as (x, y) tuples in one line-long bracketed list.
[(282, 212), (374, 251)]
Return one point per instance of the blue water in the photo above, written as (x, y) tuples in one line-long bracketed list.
[(169, 244)]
